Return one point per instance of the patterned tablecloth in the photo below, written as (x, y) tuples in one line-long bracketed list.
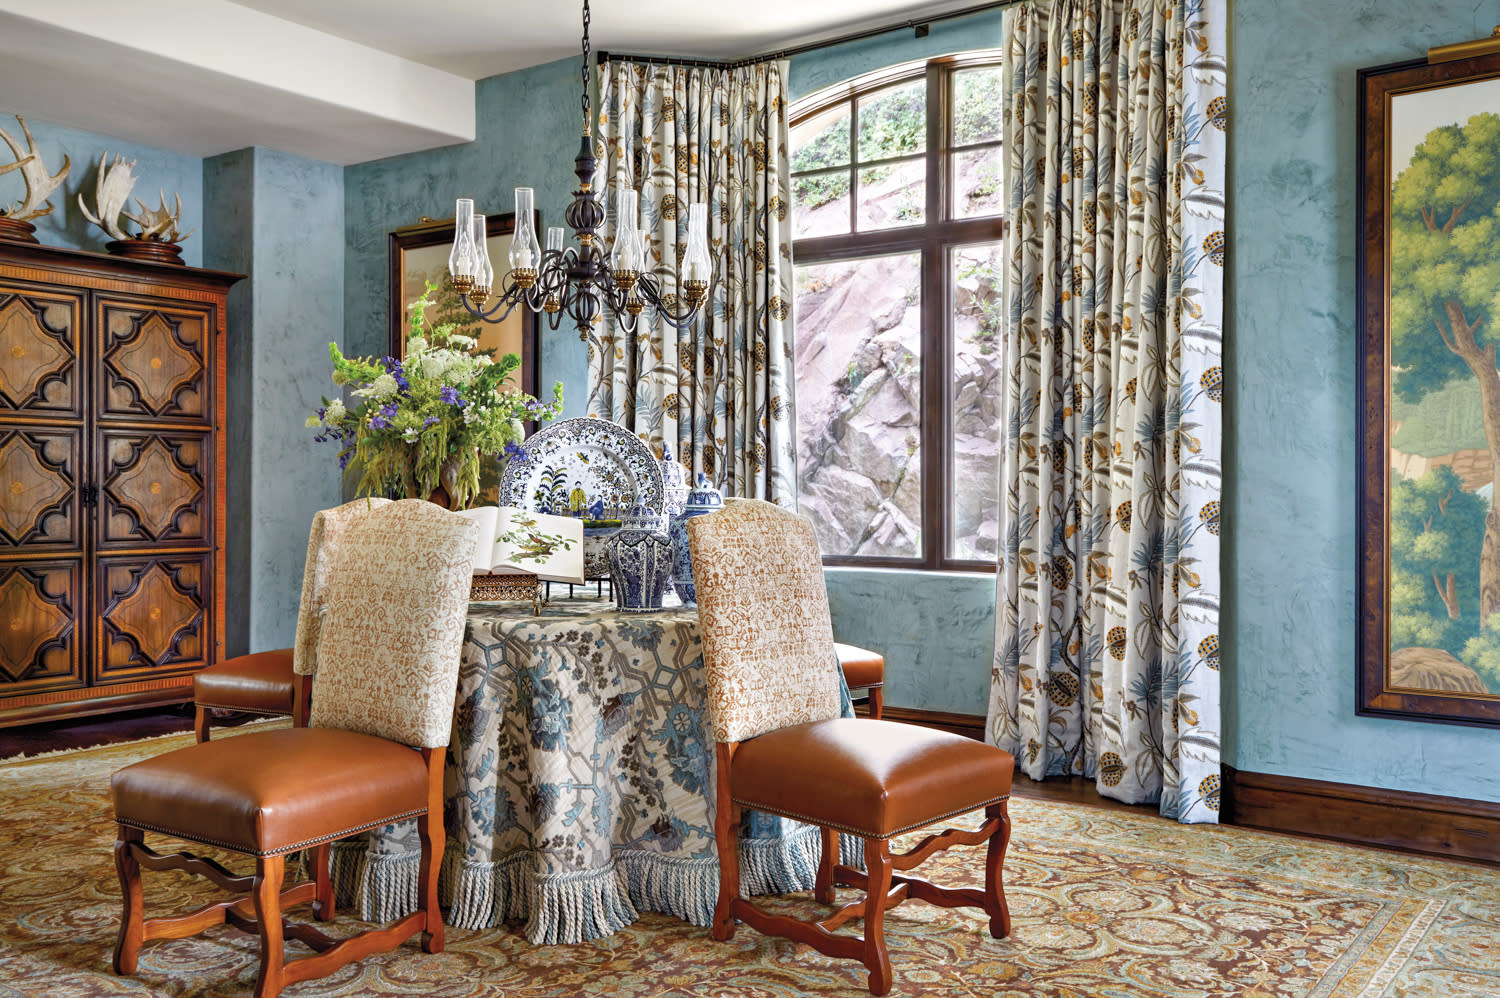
[(580, 783)]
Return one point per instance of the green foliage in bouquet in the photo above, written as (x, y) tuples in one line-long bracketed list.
[(436, 417)]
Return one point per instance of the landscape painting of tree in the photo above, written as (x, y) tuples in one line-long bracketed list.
[(1430, 318)]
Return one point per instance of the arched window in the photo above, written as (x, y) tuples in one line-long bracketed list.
[(896, 240)]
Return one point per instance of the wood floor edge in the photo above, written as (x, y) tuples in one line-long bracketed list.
[(1451, 827), (968, 725)]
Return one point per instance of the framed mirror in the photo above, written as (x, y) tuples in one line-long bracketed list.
[(419, 254)]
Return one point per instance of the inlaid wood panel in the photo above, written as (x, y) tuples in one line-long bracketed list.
[(40, 601), (39, 370), (154, 362), (154, 615), (39, 487), (154, 488)]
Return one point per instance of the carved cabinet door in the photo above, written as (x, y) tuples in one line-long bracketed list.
[(43, 598), (154, 460)]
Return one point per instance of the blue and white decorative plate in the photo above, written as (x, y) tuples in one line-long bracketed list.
[(586, 467)]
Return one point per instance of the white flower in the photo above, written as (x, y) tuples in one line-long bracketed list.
[(484, 361), (336, 411), (416, 345), (460, 342), (383, 387), (435, 363), (409, 435)]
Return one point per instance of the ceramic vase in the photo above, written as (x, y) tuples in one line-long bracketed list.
[(701, 500), (640, 561), (675, 481)]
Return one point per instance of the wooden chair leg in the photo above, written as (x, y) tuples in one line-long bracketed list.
[(994, 883), (132, 919), (323, 907), (269, 871), (301, 700), (727, 841), (823, 889), (877, 702), (877, 887), (430, 832), (200, 722)]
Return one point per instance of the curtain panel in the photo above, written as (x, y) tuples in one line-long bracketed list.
[(1107, 598), (720, 391)]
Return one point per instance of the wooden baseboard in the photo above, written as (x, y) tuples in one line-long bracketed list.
[(968, 725), (1391, 819)]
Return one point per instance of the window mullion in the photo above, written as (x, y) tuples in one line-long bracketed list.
[(853, 165)]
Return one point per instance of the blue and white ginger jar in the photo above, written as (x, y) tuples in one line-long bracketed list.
[(675, 482), (640, 561), (703, 499)]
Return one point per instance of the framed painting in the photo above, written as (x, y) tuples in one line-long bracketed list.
[(1429, 325), (419, 254)]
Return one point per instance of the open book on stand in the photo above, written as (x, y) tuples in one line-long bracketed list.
[(519, 542)]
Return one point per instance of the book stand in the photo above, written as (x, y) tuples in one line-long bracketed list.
[(509, 588)]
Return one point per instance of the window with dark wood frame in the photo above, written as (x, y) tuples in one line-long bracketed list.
[(934, 241)]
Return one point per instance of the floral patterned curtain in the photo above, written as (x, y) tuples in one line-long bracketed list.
[(1107, 602), (720, 391)]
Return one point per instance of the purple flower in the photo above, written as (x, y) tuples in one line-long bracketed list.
[(344, 459), (450, 395), (516, 454), (383, 416), (397, 370), (532, 405), (429, 421)]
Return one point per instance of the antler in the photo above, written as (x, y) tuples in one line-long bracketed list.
[(159, 223), (111, 191), (39, 183)]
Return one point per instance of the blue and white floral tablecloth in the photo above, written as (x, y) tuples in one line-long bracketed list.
[(580, 784)]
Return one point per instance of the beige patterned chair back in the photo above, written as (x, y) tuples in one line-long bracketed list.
[(328, 529), (393, 624), (763, 611)]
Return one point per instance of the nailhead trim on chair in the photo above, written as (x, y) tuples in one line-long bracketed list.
[(859, 831), (275, 852)]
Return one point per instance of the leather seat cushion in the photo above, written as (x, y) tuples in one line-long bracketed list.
[(262, 683), (862, 668), (870, 778), (273, 791)]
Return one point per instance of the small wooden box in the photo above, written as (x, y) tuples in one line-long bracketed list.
[(508, 588)]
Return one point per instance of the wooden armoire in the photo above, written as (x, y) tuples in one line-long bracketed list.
[(111, 480)]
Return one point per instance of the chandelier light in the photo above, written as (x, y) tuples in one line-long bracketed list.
[(578, 281)]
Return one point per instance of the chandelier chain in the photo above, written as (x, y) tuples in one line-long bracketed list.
[(585, 73)]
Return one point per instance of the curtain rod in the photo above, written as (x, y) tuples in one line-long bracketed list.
[(658, 60)]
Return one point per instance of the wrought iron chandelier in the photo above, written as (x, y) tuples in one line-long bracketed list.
[(578, 281)]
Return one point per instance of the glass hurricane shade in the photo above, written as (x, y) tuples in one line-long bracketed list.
[(525, 251), (696, 265), (461, 262), (484, 272)]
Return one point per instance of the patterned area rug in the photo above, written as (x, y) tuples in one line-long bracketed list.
[(1106, 904)]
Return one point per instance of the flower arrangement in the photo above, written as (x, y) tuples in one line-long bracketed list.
[(430, 419)]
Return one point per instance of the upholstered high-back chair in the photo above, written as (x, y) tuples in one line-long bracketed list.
[(387, 650), (783, 748), (280, 681)]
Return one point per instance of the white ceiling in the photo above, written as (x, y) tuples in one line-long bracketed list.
[(347, 81)]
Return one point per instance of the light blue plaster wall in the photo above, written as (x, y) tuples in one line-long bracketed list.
[(229, 244), (1289, 639), (527, 124), (279, 218), (812, 71), (157, 172), (936, 629)]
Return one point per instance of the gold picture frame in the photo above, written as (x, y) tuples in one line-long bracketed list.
[(1429, 530)]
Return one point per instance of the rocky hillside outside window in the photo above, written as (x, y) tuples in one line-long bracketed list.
[(896, 241)]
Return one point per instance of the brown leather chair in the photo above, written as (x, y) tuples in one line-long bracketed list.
[(280, 682), (863, 670), (388, 652), (784, 749)]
